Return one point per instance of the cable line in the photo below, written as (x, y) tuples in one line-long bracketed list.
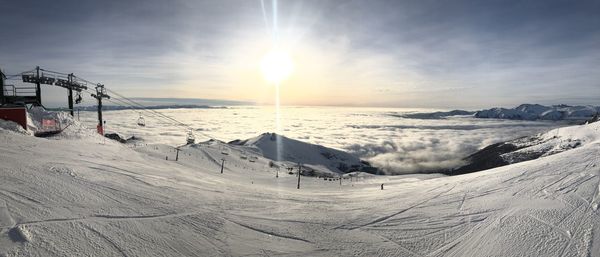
[(119, 100)]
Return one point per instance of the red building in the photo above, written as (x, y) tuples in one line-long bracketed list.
[(16, 114)]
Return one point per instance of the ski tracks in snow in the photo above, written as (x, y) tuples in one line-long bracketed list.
[(6, 219), (101, 217), (387, 217), (107, 239)]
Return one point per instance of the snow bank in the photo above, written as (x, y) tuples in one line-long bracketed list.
[(12, 126), (73, 129)]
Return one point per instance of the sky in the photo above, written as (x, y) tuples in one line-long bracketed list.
[(437, 54)]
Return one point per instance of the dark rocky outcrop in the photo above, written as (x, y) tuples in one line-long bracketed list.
[(486, 158), (514, 151), (120, 139)]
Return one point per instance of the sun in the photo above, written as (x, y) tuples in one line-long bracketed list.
[(276, 66)]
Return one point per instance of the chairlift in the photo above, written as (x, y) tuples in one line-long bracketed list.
[(78, 99), (29, 78), (141, 121), (47, 80), (190, 137), (224, 151)]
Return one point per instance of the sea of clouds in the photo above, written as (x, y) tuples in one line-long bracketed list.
[(395, 144)]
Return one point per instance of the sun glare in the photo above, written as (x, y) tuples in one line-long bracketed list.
[(276, 66)]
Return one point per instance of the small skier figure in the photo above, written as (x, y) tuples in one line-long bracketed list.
[(381, 186)]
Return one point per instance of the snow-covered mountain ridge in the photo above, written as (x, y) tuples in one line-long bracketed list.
[(294, 151), (529, 148), (540, 112), (521, 112)]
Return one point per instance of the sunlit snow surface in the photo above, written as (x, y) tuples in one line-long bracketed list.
[(396, 144), (81, 195)]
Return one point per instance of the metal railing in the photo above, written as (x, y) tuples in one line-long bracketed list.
[(11, 90)]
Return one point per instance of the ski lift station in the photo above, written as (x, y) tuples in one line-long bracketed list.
[(24, 92), (14, 99)]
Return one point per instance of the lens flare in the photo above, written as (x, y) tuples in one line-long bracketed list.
[(276, 66)]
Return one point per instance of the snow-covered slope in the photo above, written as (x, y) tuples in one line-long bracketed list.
[(293, 151), (81, 196), (528, 148), (540, 112)]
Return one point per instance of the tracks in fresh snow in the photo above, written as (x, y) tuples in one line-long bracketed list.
[(387, 217), (269, 233), (18, 197), (107, 239), (152, 207), (10, 232), (103, 217), (6, 219)]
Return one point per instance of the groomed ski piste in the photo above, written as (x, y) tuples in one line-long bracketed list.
[(78, 194)]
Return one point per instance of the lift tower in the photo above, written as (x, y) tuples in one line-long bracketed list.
[(70, 95), (22, 94), (38, 88), (2, 77), (71, 85), (47, 78), (100, 93)]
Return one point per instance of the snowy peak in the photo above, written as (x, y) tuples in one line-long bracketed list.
[(281, 148), (540, 112), (532, 108), (521, 112)]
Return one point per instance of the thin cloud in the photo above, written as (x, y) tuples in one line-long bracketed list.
[(503, 52)]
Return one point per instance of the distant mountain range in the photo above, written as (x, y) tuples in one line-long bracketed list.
[(540, 112), (189, 101), (433, 115), (521, 112), (153, 107)]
